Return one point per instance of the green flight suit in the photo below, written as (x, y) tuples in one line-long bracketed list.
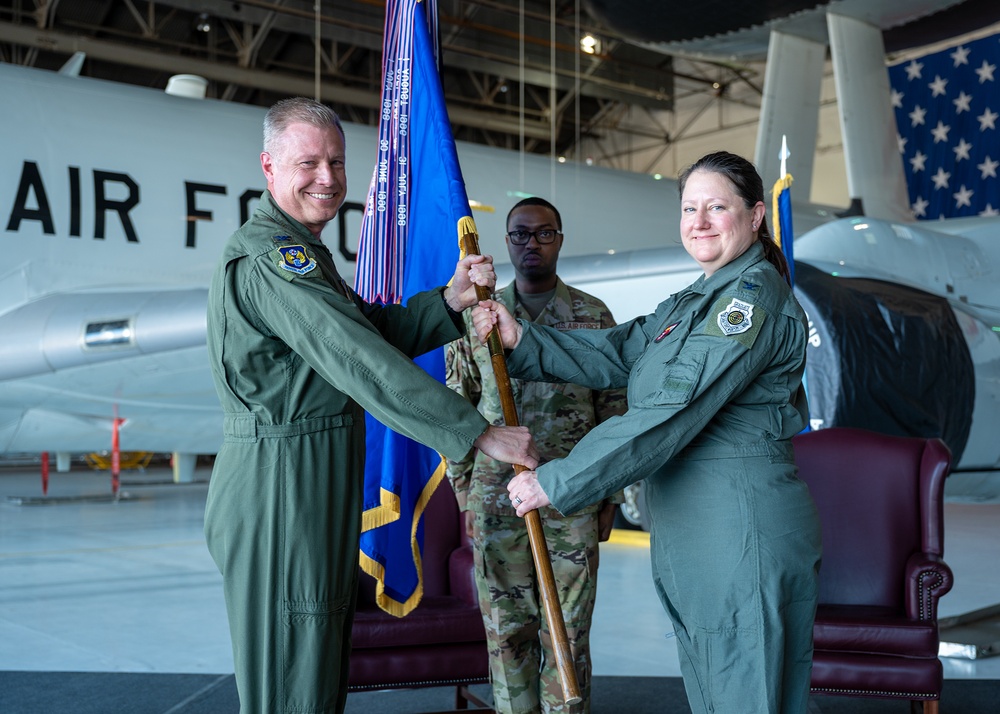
[(715, 394), (297, 357)]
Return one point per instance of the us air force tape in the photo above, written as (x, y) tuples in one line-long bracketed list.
[(736, 318)]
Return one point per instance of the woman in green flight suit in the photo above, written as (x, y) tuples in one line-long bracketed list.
[(715, 394)]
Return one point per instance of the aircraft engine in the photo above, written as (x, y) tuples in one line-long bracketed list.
[(885, 357)]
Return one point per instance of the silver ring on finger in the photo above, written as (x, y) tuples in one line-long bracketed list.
[(517, 501)]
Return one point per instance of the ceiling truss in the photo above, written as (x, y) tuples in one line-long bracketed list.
[(513, 72)]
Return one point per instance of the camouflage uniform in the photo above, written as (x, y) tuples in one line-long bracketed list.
[(558, 416)]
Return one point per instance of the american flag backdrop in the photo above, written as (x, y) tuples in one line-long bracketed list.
[(947, 107)]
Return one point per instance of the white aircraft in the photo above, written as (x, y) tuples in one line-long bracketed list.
[(116, 202), (119, 200)]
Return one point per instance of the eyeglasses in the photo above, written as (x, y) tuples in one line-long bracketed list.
[(544, 236)]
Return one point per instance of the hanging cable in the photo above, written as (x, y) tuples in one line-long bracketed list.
[(319, 48), (552, 98), (576, 97), (520, 35)]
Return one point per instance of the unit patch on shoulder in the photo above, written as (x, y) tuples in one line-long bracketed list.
[(294, 259), (732, 317), (736, 317)]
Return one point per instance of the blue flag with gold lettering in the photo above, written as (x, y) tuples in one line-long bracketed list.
[(409, 243)]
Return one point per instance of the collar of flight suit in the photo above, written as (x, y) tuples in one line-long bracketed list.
[(731, 270), (270, 208)]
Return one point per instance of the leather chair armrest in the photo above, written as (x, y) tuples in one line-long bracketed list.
[(928, 577), (461, 571)]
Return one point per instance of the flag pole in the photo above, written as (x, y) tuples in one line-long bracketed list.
[(469, 240), (783, 155)]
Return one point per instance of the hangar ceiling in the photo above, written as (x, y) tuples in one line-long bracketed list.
[(513, 72)]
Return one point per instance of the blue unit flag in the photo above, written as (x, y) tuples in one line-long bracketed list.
[(781, 215), (409, 243)]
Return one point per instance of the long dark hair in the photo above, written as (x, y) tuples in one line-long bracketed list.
[(750, 186)]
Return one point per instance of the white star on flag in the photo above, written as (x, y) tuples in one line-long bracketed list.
[(988, 168), (937, 86), (947, 109), (940, 132), (986, 72), (963, 197), (987, 120), (990, 211)]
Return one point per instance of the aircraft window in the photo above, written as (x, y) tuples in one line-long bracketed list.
[(108, 334)]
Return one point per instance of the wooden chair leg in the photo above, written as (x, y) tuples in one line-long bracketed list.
[(930, 706), (464, 697)]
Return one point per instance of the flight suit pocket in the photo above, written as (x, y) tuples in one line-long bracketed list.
[(316, 650), (677, 380)]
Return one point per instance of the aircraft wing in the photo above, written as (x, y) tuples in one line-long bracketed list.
[(70, 363)]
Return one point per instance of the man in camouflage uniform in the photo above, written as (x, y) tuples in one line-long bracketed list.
[(522, 664)]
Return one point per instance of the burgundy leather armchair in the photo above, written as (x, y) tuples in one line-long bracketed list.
[(880, 501), (442, 641)]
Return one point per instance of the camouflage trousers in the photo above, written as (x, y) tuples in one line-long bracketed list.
[(522, 665)]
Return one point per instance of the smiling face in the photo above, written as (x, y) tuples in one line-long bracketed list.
[(305, 173), (716, 225)]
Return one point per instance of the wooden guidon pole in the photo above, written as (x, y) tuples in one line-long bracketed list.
[(539, 549)]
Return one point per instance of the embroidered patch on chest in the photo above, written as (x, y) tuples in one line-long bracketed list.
[(666, 331), (294, 259)]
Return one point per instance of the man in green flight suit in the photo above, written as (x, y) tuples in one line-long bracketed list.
[(297, 358)]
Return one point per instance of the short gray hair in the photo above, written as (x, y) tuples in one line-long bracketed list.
[(296, 110)]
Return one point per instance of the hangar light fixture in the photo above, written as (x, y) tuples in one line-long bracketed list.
[(590, 44)]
